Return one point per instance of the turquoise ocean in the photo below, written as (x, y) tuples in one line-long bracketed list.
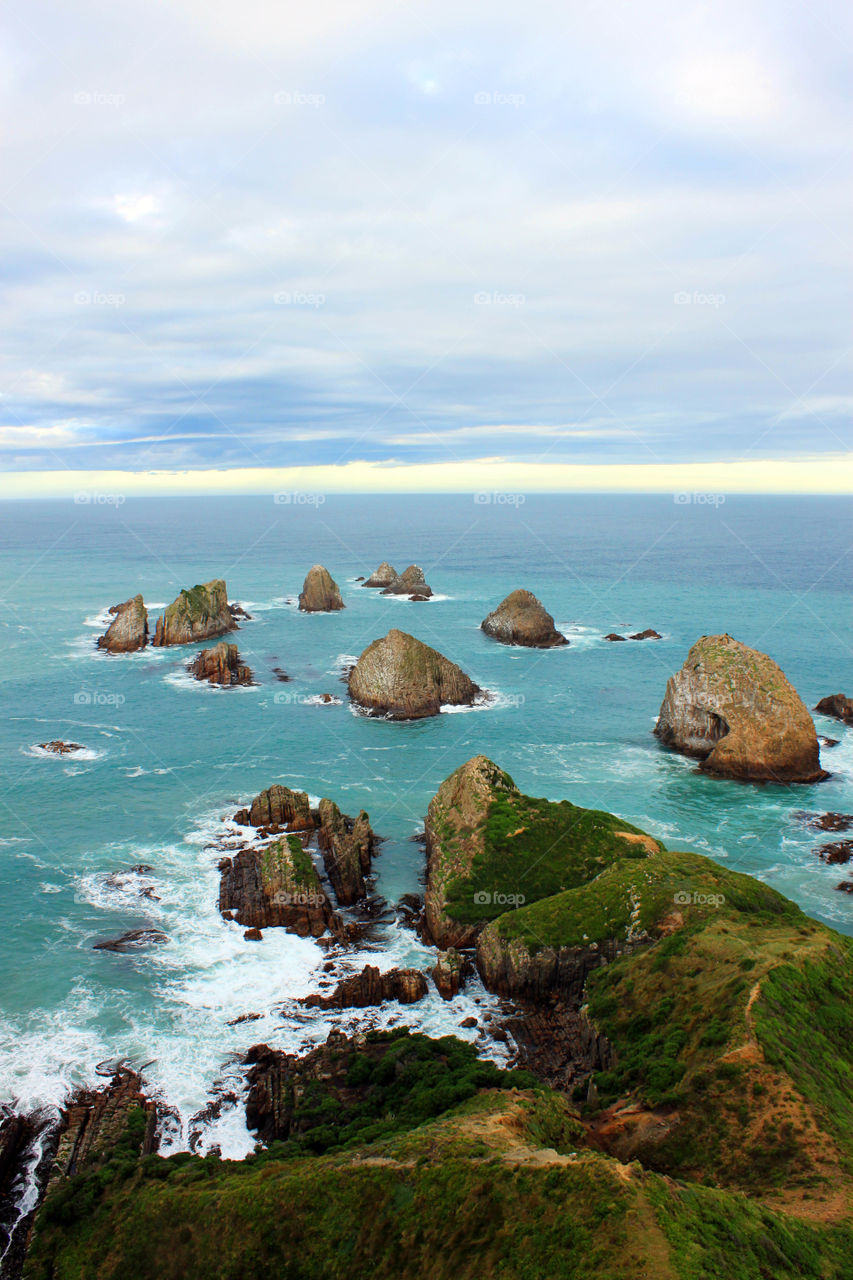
[(167, 759)]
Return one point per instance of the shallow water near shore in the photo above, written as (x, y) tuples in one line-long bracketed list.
[(166, 759)]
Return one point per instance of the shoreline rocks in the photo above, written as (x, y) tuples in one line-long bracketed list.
[(221, 665), (449, 972), (839, 706), (200, 613), (522, 619), (409, 583), (133, 940), (370, 987), (347, 846), (277, 887), (382, 577), (404, 679), (128, 631), (320, 593), (732, 708)]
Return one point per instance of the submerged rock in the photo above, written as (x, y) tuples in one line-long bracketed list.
[(613, 636), (648, 634), (128, 630), (522, 619), (221, 665), (839, 706), (383, 576), (133, 940), (57, 747), (276, 887), (838, 853), (404, 679), (320, 593), (410, 582), (200, 613), (826, 821), (732, 708), (370, 987)]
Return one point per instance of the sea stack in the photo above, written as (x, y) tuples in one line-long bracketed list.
[(383, 576), (732, 708), (409, 583), (320, 593), (521, 619), (128, 630), (404, 679), (200, 613), (221, 665)]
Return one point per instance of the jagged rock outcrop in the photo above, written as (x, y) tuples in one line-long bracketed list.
[(278, 808), (732, 708), (409, 583), (648, 634), (612, 635), (95, 1122), (449, 973), (320, 593), (133, 940), (277, 886), (510, 967), (200, 613), (57, 747), (404, 679), (347, 846), (557, 1043), (839, 706), (128, 630), (221, 665), (383, 576), (370, 987), (522, 619)]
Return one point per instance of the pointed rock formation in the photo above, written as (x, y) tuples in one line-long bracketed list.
[(320, 593), (347, 846), (383, 576), (221, 665), (732, 708), (521, 619), (409, 583), (404, 679), (128, 630), (200, 613)]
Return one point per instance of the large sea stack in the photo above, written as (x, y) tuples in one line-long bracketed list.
[(523, 620), (732, 708), (221, 665), (320, 593), (200, 613), (404, 679), (128, 630)]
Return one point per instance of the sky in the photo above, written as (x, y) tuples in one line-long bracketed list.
[(425, 245)]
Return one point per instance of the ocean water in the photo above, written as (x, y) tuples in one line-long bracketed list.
[(167, 759)]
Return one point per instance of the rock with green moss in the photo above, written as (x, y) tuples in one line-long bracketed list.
[(491, 849), (402, 678), (128, 631), (200, 613), (522, 619), (320, 593), (277, 886), (732, 708)]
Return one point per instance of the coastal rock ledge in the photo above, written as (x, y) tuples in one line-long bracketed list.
[(732, 708), (402, 678), (522, 619), (320, 593)]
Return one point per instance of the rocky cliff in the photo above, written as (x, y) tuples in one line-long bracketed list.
[(277, 886), (320, 593), (404, 679), (347, 847), (408, 583), (221, 665), (200, 613), (521, 619), (128, 630), (732, 708)]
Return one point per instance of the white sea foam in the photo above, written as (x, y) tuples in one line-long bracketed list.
[(38, 752)]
